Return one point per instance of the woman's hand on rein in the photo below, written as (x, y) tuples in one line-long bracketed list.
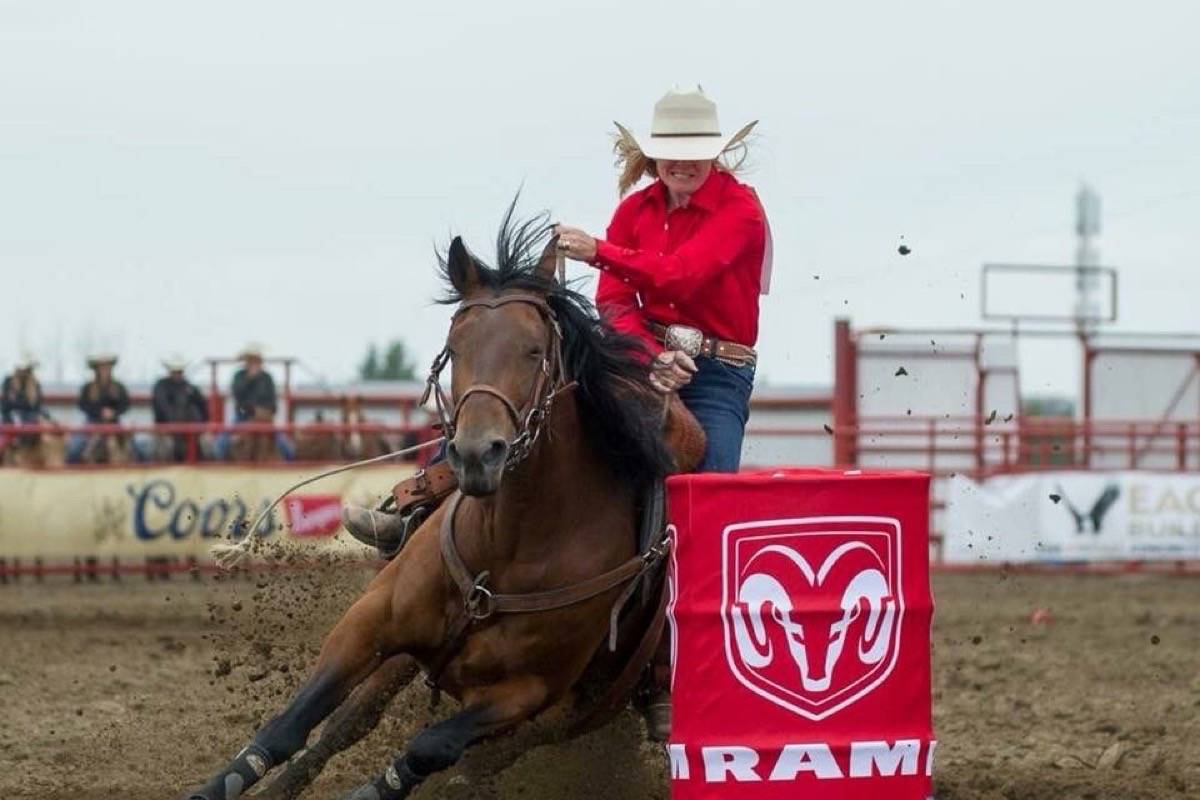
[(671, 371), (575, 243)]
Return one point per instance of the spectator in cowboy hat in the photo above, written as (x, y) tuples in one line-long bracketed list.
[(175, 399), (254, 399), (681, 267), (102, 400), (21, 401)]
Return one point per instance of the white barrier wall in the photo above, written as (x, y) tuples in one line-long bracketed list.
[(1073, 516), (178, 511)]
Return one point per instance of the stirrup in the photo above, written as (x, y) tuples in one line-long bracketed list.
[(410, 522)]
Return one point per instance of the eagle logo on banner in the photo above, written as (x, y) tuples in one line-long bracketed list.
[(812, 609)]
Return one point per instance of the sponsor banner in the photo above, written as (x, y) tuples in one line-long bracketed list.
[(1073, 516), (800, 612), (175, 511)]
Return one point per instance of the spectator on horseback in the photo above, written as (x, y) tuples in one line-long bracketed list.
[(681, 266), (176, 399), (254, 400), (22, 402), (103, 400)]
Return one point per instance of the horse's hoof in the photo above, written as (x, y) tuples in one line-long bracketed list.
[(364, 792), (230, 788)]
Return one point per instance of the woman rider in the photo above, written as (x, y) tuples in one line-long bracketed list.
[(682, 266)]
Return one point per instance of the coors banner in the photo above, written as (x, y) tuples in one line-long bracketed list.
[(800, 612)]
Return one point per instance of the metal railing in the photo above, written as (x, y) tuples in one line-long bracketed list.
[(970, 446), (151, 444)]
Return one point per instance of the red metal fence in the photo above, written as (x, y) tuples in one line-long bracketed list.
[(197, 439), (972, 446)]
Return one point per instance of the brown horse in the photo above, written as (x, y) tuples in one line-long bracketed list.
[(255, 447), (107, 448), (554, 437), (35, 450), (351, 446), (359, 444)]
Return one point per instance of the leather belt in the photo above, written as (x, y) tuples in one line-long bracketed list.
[(694, 342)]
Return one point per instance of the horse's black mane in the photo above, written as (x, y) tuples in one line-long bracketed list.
[(620, 414)]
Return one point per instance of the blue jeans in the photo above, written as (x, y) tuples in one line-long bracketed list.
[(719, 397), (77, 443)]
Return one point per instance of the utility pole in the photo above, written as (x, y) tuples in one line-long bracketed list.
[(1087, 255)]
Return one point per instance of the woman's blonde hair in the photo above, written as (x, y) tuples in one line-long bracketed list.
[(633, 165)]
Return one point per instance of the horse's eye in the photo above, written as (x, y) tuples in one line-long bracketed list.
[(536, 354)]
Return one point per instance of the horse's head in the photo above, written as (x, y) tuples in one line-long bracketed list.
[(504, 354)]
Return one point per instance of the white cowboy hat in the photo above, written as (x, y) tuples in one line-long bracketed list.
[(685, 128), (26, 361), (174, 363), (96, 359), (252, 350)]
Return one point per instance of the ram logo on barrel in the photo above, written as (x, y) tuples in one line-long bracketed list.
[(812, 609)]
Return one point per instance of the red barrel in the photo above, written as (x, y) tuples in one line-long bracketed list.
[(800, 614)]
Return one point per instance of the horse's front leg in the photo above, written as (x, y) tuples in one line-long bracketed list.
[(353, 720), (353, 650), (483, 764), (489, 711)]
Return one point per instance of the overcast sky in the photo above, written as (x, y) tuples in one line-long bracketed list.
[(188, 177)]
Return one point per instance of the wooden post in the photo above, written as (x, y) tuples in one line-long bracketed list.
[(845, 395)]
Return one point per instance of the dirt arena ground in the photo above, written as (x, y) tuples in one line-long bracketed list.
[(138, 690)]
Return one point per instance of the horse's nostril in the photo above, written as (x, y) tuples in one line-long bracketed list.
[(496, 451), (486, 453)]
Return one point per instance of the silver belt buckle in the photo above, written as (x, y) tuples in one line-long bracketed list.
[(685, 338)]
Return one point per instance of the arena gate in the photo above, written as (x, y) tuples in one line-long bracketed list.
[(948, 401)]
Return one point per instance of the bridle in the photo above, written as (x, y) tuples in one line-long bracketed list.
[(530, 419)]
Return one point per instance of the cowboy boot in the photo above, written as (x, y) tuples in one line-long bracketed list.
[(386, 532)]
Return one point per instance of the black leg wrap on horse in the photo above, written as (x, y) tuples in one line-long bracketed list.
[(433, 750), (246, 769), (396, 783), (399, 779)]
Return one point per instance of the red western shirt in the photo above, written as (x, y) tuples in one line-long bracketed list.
[(699, 265)]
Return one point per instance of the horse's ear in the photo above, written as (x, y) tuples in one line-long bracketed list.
[(548, 263), (461, 268)]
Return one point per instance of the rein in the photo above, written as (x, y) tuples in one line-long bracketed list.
[(229, 556)]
